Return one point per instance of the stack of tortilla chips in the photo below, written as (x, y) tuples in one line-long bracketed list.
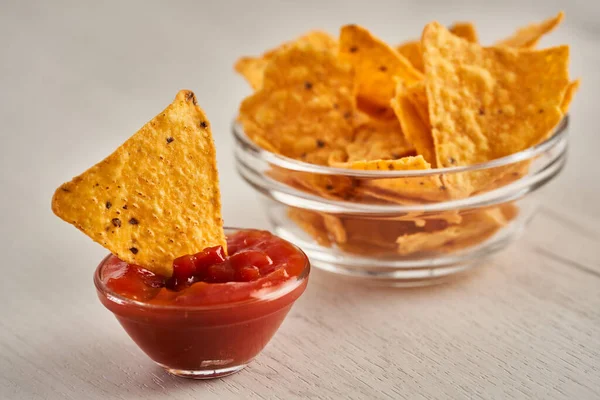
[(442, 101)]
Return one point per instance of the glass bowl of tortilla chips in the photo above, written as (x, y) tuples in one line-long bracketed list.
[(407, 227), (404, 166)]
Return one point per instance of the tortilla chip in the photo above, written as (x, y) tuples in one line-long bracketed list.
[(377, 236), (502, 176), (265, 144), (571, 90), (377, 139), (365, 232), (486, 103), (399, 190), (371, 194), (403, 164), (333, 187), (376, 64), (415, 129), (312, 223), (157, 196), (509, 211), (253, 68), (319, 156), (475, 228), (413, 52), (450, 217), (335, 228), (305, 103), (421, 219), (465, 30), (410, 190), (417, 94), (467, 240), (528, 36)]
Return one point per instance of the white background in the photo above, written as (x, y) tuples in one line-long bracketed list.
[(77, 78)]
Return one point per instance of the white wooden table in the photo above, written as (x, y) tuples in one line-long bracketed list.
[(77, 79)]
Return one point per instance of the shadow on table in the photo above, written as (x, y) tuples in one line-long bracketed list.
[(114, 367)]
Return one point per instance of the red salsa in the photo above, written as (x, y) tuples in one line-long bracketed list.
[(256, 259), (216, 309)]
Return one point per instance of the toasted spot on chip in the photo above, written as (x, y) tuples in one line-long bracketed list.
[(468, 89), (152, 185), (528, 36), (295, 121), (368, 55), (253, 68)]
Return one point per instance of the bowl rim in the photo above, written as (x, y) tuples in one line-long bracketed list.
[(558, 134), (277, 292)]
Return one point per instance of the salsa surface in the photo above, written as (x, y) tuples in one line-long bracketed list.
[(256, 260)]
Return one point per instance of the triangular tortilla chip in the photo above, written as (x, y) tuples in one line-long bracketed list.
[(157, 196), (376, 64), (413, 51), (253, 68), (305, 103), (486, 103), (528, 36)]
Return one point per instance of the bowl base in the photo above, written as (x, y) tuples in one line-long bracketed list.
[(402, 277), (204, 373)]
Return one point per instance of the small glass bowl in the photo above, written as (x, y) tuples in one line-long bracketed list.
[(349, 222), (204, 342)]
